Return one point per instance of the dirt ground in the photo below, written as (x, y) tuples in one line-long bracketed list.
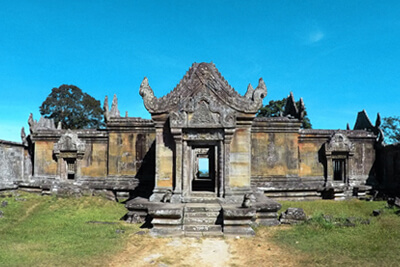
[(144, 250)]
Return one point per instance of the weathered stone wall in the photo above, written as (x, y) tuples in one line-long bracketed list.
[(127, 151), (45, 164), (311, 162), (240, 158), (363, 167), (274, 148), (389, 169), (14, 163), (94, 162)]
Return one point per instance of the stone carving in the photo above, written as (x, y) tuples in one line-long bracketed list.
[(114, 108), (196, 135), (167, 196), (105, 109), (42, 124), (206, 111), (203, 76), (339, 143), (202, 115), (69, 142), (248, 200), (290, 107), (178, 119), (23, 137)]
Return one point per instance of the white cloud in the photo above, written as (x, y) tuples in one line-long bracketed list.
[(315, 37)]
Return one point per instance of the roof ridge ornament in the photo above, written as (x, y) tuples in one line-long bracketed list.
[(114, 113)]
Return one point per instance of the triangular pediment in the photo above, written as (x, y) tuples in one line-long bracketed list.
[(203, 80)]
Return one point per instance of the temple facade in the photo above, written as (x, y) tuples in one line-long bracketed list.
[(204, 144)]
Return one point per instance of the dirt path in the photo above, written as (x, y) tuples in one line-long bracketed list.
[(145, 250)]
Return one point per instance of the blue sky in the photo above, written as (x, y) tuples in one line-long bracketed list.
[(340, 56)]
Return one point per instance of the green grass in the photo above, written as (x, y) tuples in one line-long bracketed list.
[(325, 243), (50, 231)]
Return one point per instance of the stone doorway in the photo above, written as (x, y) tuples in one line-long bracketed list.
[(204, 161)]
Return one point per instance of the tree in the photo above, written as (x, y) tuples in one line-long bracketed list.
[(391, 129), (73, 108), (276, 108)]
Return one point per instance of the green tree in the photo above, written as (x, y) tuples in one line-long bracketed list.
[(391, 129), (277, 107), (73, 108)]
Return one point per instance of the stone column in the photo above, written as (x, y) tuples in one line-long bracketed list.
[(186, 169), (221, 169), (177, 134), (227, 153), (157, 192)]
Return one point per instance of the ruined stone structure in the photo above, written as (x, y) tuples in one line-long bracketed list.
[(203, 120)]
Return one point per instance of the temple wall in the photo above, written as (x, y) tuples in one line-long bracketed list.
[(363, 160), (121, 158), (389, 168), (14, 163), (240, 158), (44, 162), (94, 162), (165, 160), (126, 152), (274, 149), (310, 157)]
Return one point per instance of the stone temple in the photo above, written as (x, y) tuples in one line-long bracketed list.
[(204, 163)]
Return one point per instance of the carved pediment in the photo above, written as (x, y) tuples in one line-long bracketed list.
[(339, 142), (69, 142), (203, 78), (202, 111)]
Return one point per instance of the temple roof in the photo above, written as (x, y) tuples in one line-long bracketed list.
[(203, 77)]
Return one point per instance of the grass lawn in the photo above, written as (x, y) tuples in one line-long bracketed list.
[(327, 244), (49, 231)]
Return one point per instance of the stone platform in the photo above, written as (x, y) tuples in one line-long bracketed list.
[(203, 219)]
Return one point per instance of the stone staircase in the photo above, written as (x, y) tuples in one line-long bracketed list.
[(202, 219)]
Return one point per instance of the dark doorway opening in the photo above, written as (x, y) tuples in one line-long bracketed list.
[(204, 169)]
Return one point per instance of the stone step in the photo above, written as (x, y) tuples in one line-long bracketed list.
[(204, 234), (200, 200), (201, 214), (200, 221), (202, 208), (202, 228)]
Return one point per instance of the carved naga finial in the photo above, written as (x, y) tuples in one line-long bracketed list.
[(249, 92), (260, 92), (147, 94)]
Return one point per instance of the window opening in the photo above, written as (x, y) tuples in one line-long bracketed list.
[(70, 169), (339, 170)]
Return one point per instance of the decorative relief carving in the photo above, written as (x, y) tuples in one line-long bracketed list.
[(203, 115), (339, 142), (42, 124), (197, 135), (69, 142), (203, 77)]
